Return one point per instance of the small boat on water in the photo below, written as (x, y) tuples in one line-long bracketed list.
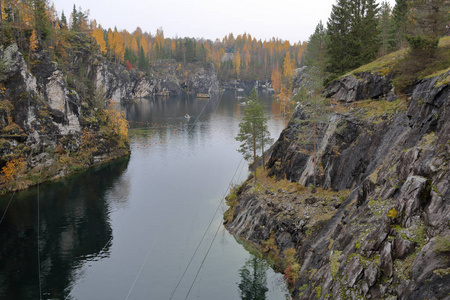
[(163, 93), (203, 96)]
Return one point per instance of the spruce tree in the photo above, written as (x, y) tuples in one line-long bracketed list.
[(41, 20), (315, 55), (399, 19), (387, 30), (352, 32), (338, 34), (428, 21), (63, 19)]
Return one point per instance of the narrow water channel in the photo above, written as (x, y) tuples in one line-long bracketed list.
[(130, 229)]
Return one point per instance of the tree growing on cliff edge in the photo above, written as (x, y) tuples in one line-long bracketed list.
[(352, 32), (316, 55), (253, 131), (427, 22)]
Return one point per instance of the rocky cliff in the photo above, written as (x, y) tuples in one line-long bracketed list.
[(165, 78), (49, 127), (53, 114), (378, 225)]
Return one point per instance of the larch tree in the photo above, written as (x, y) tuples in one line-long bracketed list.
[(33, 41), (134, 45), (276, 79), (97, 33), (237, 63), (288, 67), (119, 47)]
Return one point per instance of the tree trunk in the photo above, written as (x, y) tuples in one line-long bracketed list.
[(315, 159), (1, 23), (262, 153), (254, 152)]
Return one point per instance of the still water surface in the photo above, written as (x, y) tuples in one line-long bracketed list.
[(129, 229)]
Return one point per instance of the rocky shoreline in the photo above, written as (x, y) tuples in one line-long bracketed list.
[(378, 225)]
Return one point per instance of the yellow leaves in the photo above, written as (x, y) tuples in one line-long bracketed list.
[(13, 168), (144, 43), (117, 122), (159, 39), (276, 79), (134, 46), (286, 101), (247, 59), (237, 63), (288, 66), (392, 213), (97, 33), (88, 139), (33, 41), (173, 46), (119, 46)]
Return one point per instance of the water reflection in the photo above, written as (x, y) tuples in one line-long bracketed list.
[(158, 208), (74, 227), (253, 285)]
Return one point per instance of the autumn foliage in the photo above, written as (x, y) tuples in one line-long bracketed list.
[(13, 168), (117, 122)]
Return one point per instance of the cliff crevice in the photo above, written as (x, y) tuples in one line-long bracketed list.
[(378, 224)]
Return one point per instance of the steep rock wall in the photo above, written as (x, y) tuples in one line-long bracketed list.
[(360, 86), (390, 237), (42, 123)]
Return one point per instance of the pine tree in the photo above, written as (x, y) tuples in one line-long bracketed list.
[(253, 131)]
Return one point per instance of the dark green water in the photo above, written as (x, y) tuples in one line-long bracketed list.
[(129, 229)]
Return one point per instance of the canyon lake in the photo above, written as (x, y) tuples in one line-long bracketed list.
[(144, 227)]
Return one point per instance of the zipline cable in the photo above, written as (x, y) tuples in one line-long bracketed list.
[(204, 259), (151, 248), (206, 231), (217, 230), (4, 213), (143, 264)]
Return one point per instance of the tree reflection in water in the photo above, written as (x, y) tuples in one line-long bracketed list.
[(253, 285)]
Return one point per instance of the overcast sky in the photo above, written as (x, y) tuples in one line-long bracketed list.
[(292, 20)]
